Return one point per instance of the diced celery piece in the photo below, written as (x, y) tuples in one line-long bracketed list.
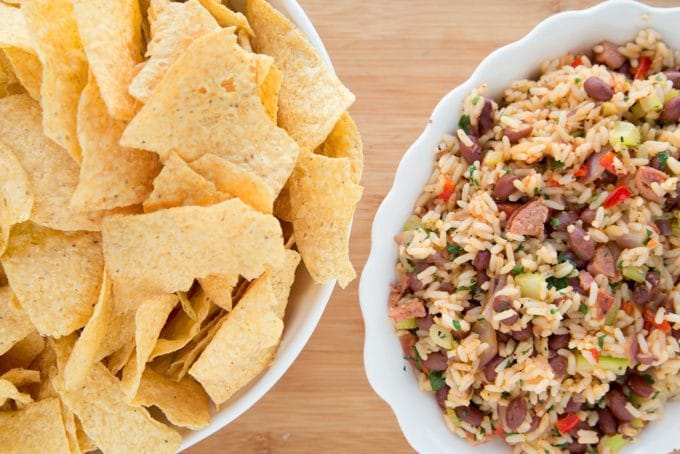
[(675, 228), (635, 399), (615, 442), (637, 111), (612, 313), (493, 158), (413, 223), (583, 367), (616, 365), (409, 323), (634, 273), (671, 94), (609, 108), (453, 416), (530, 284), (637, 423), (441, 337), (651, 103), (624, 133)]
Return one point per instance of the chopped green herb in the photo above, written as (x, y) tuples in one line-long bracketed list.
[(450, 230), (464, 123), (648, 378), (663, 159), (546, 451), (554, 222), (475, 100), (454, 250), (462, 288), (526, 351), (577, 80), (549, 103), (615, 285), (656, 393), (625, 98), (456, 325), (600, 341), (537, 191), (411, 265), (504, 236), (506, 169), (563, 258), (578, 133), (505, 394), (659, 77), (470, 175), (558, 283), (437, 380), (550, 408), (517, 270), (509, 362), (583, 309), (482, 431), (648, 237), (554, 310), (558, 165), (521, 382), (520, 247)]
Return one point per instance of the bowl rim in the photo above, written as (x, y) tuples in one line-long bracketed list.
[(418, 437), (256, 389)]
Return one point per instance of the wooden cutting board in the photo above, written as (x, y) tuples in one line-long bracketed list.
[(399, 57)]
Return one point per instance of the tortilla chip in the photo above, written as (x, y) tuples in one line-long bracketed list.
[(13, 29), (344, 141), (60, 51), (16, 196), (243, 40), (182, 328), (268, 89), (282, 280), (9, 84), (179, 185), (85, 443), (226, 17), (186, 305), (113, 424), (34, 428), (22, 354), (112, 37), (164, 251), (52, 174), (55, 275), (282, 209), (91, 339), (120, 332), (110, 175), (27, 68), (233, 179), (184, 403), (321, 218), (120, 357), (21, 377), (312, 99), (149, 321), (218, 288), (243, 346), (14, 323), (208, 102), (173, 29), (69, 420), (10, 392), (184, 358)]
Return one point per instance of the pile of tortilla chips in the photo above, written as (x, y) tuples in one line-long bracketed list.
[(164, 168)]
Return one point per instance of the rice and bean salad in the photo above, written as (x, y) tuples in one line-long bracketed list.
[(537, 292)]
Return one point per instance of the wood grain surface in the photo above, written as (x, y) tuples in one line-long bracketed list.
[(399, 57)]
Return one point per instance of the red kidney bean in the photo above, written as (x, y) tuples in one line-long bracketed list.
[(564, 219), (481, 262), (523, 334), (576, 448), (470, 414), (485, 120), (420, 266), (557, 341), (414, 283), (573, 406), (441, 395), (616, 402), (639, 385), (584, 249), (606, 422), (503, 303), (490, 368), (514, 136), (482, 277), (502, 337), (471, 153), (446, 287), (664, 226), (425, 323), (588, 216), (642, 294), (515, 414), (673, 76), (610, 55), (597, 89), (504, 187), (436, 361), (559, 365), (671, 110), (508, 208)]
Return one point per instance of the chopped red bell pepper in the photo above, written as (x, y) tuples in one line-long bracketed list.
[(628, 307), (643, 68), (618, 195), (596, 354), (499, 431), (578, 60), (447, 190), (582, 172), (607, 161), (663, 326), (553, 183), (567, 424)]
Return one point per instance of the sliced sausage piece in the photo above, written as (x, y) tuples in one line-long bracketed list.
[(558, 364), (671, 110), (470, 414), (603, 262), (515, 413), (610, 55), (564, 220), (606, 422), (573, 406), (425, 323), (597, 89), (616, 402), (584, 249), (644, 177), (529, 220), (576, 448), (436, 361), (490, 368), (414, 283), (522, 334), (514, 135), (442, 394), (557, 341), (481, 261), (503, 303), (485, 120), (604, 302), (504, 187), (410, 309), (640, 386), (585, 279), (508, 208)]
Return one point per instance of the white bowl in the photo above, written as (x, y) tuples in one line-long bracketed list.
[(390, 375), (307, 299)]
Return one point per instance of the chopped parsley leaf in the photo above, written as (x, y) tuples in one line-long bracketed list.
[(648, 237), (550, 408), (454, 250), (411, 265), (554, 222), (554, 310), (456, 325), (505, 394), (517, 270), (506, 169), (648, 378), (659, 77), (437, 380), (578, 133), (600, 341), (526, 351), (537, 191), (577, 80), (558, 165), (654, 396), (583, 309), (482, 431), (663, 159), (558, 283), (549, 103), (520, 247), (475, 100), (464, 123)]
